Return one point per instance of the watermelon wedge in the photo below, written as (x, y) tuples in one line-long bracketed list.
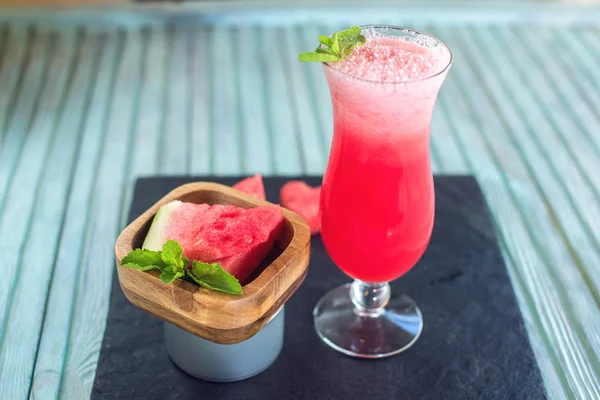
[(253, 185), (237, 238), (303, 200)]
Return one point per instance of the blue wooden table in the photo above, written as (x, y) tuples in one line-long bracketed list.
[(92, 99)]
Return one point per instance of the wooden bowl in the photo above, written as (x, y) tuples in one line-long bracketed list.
[(216, 316)]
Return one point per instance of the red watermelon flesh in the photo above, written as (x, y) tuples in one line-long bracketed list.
[(253, 186), (237, 238), (303, 200)]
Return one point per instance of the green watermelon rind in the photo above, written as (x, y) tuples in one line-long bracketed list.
[(156, 234)]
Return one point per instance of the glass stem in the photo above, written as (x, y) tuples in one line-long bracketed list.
[(369, 299)]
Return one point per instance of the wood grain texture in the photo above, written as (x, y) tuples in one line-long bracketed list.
[(519, 110), (96, 261), (225, 120), (218, 317), (287, 155), (35, 267), (76, 3), (11, 72), (55, 338), (175, 129), (253, 109), (18, 225), (200, 102)]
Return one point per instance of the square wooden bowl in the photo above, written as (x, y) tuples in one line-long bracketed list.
[(218, 317)]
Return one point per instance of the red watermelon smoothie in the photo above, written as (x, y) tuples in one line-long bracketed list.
[(377, 199)]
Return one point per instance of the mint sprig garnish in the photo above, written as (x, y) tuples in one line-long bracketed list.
[(335, 47), (172, 265)]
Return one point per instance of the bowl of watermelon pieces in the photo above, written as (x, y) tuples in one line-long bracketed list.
[(217, 265)]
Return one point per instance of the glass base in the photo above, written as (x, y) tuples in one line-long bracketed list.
[(347, 329)]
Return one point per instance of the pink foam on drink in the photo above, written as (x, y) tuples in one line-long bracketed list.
[(385, 59)]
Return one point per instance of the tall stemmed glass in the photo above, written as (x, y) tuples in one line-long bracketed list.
[(377, 199)]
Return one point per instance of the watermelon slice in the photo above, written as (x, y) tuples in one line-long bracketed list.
[(237, 238), (303, 200), (253, 185)]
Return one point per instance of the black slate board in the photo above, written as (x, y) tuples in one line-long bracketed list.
[(473, 346)]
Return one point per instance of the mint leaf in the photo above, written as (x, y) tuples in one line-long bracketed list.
[(170, 274), (347, 50), (335, 47), (172, 254), (143, 260), (171, 249), (323, 50), (213, 276), (325, 40), (313, 56), (167, 277), (349, 39), (350, 36), (349, 47)]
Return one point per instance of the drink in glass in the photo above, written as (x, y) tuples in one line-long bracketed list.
[(377, 199)]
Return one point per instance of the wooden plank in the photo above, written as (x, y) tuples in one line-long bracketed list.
[(59, 2), (567, 188), (151, 113), (9, 159), (317, 85), (97, 264), (591, 37), (149, 126), (17, 125), (37, 268), (565, 95), (254, 112), (305, 125), (30, 219), (134, 124), (286, 13), (226, 126), (436, 160), (451, 159), (444, 144), (55, 338), (284, 145), (573, 56), (201, 102), (176, 150), (12, 67)]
